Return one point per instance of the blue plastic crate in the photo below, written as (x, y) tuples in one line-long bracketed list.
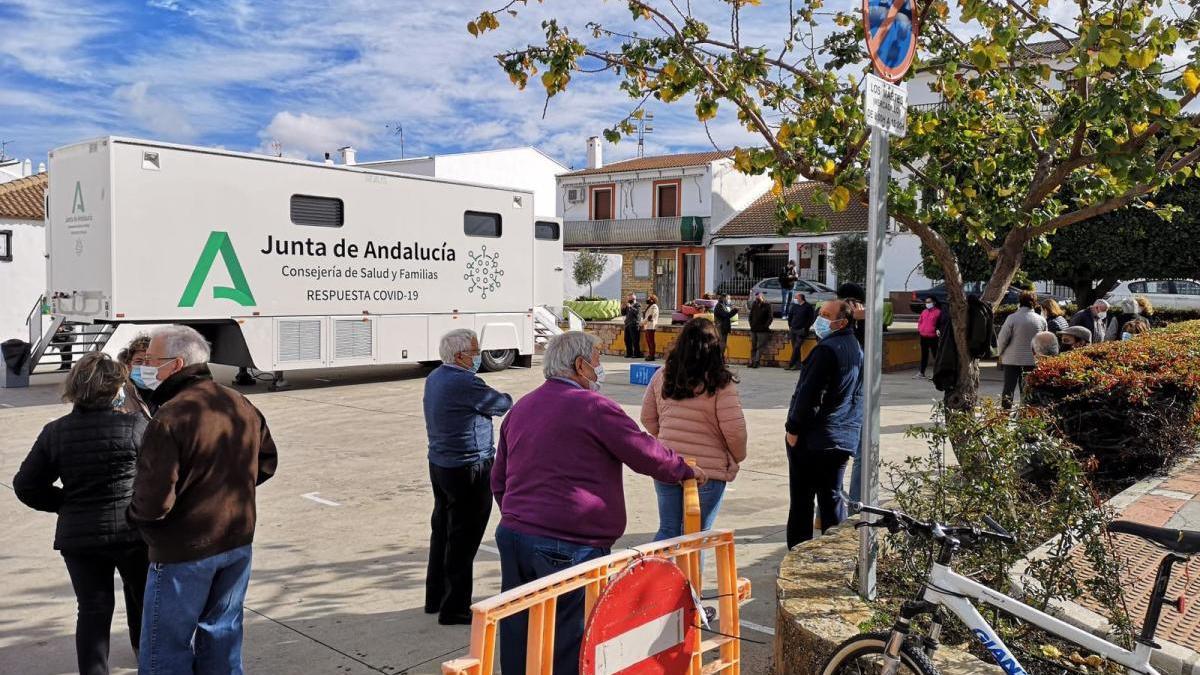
[(640, 373)]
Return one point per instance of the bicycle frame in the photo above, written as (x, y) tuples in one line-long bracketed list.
[(955, 592)]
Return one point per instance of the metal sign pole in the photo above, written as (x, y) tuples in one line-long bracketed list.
[(868, 455)]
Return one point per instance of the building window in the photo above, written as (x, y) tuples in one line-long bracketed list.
[(546, 229), (666, 199), (641, 268), (5, 245), (478, 224), (317, 211), (602, 202)]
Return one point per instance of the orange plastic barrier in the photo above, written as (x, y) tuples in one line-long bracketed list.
[(539, 598)]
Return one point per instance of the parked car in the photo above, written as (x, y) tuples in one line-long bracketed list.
[(917, 303), (1164, 293), (813, 291)]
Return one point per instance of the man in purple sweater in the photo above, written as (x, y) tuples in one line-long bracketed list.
[(557, 479)]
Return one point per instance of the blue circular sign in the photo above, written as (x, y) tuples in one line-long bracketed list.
[(891, 32)]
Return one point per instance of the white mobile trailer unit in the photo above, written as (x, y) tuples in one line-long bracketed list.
[(286, 264)]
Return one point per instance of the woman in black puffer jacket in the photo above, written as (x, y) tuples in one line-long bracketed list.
[(93, 450)]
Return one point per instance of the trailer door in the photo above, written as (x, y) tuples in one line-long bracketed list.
[(547, 262)]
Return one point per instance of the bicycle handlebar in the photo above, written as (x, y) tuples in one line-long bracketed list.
[(896, 521)]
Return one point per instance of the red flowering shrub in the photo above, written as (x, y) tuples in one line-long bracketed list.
[(1131, 407)]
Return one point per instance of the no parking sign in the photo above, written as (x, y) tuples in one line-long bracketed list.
[(891, 27), (644, 623)]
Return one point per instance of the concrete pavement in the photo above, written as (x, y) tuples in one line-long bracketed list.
[(341, 547)]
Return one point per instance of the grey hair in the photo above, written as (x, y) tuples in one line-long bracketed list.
[(1045, 343), (1129, 306), (456, 341), (562, 350), (184, 342), (1101, 303)]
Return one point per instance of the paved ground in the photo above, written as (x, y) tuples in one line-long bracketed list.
[(341, 547)]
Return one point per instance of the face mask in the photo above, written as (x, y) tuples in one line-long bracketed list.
[(929, 305), (822, 328), (135, 375), (595, 385), (1101, 315), (149, 377), (475, 362), (1126, 336), (119, 400)]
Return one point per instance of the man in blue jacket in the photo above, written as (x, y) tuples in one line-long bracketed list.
[(824, 422), (459, 407)]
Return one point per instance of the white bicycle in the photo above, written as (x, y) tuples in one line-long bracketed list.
[(886, 653)]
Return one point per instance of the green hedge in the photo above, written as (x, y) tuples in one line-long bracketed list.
[(1132, 407), (595, 310)]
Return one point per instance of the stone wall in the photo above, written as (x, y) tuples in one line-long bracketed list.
[(817, 608), (901, 349)]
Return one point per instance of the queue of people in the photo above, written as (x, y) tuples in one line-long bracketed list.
[(166, 500)]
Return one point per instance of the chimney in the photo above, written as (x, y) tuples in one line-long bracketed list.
[(327, 159), (41, 167), (27, 167), (347, 154), (595, 153)]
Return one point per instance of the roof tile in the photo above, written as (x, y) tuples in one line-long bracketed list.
[(758, 219), (656, 162), (21, 199)]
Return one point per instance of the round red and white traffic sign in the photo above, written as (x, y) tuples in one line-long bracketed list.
[(643, 623), (891, 28)]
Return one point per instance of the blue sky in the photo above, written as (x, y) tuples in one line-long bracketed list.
[(311, 75)]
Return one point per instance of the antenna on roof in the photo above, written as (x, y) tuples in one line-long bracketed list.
[(397, 130), (3, 147), (643, 129), (276, 147)]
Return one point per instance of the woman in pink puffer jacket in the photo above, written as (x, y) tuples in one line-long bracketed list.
[(692, 407)]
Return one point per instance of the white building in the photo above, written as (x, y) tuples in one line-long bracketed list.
[(12, 169), (657, 213), (22, 253), (526, 168)]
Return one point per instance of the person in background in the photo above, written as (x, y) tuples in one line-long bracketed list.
[(1074, 337), (692, 407), (927, 329), (1146, 311), (93, 452), (1044, 345), (557, 479), (459, 407), (787, 282), (723, 313), (632, 312), (1015, 344), (650, 325), (800, 319), (64, 341), (1099, 321), (1134, 327), (761, 317), (857, 296), (1056, 320), (203, 456), (133, 357), (824, 423)]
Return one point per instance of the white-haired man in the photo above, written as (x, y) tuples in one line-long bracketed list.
[(557, 479), (1045, 345), (204, 453), (1097, 319), (459, 407)]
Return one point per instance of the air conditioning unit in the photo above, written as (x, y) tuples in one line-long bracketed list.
[(575, 195)]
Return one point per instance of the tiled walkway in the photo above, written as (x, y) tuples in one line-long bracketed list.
[(1172, 501)]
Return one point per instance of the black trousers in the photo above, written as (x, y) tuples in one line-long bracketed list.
[(758, 345), (462, 504), (929, 347), (1014, 379), (633, 342), (91, 572), (797, 346), (814, 474)]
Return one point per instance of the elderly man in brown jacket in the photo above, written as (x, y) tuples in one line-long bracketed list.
[(202, 457)]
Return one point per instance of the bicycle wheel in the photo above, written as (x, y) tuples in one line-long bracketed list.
[(863, 655)]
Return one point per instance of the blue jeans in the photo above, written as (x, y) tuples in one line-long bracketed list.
[(670, 507), (525, 558), (787, 300), (192, 617)]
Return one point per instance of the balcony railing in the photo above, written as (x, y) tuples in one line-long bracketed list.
[(634, 231)]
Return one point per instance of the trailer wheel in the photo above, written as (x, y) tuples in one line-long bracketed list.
[(498, 359)]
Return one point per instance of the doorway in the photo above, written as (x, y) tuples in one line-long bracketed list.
[(664, 282), (691, 273)]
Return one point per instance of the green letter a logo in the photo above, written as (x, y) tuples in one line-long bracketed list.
[(218, 242), (77, 204)]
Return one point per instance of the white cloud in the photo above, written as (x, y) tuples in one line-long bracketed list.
[(305, 135), (156, 115)]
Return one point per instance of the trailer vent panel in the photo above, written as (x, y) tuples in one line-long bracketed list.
[(299, 340), (546, 229), (352, 339), (317, 211)]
